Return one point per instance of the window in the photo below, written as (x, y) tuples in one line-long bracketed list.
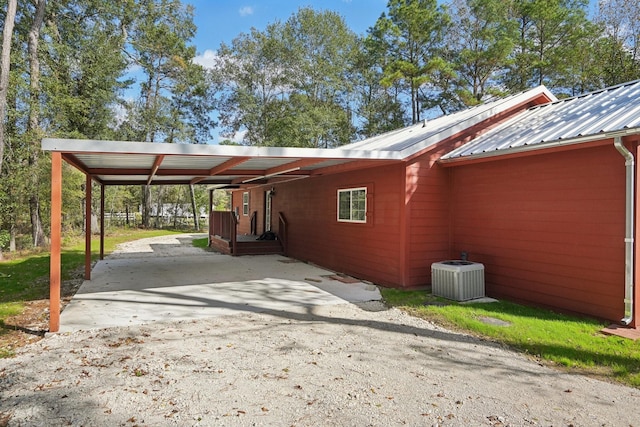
[(245, 204), (352, 205)]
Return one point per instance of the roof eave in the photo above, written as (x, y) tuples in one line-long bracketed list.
[(537, 147), (148, 148)]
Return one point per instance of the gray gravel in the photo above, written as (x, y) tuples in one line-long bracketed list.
[(337, 365)]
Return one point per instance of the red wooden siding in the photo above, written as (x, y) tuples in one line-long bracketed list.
[(256, 204), (427, 213), (367, 251), (549, 228)]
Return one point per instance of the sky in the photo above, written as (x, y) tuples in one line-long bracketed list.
[(222, 20)]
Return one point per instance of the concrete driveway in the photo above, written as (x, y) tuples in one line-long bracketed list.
[(167, 278)]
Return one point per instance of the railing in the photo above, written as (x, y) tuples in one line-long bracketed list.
[(224, 224), (282, 232)]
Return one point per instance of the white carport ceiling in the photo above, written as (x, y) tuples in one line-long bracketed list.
[(133, 163)]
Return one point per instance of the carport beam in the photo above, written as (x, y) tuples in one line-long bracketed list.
[(87, 229), (56, 232)]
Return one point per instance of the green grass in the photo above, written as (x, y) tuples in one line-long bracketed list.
[(25, 277), (201, 243), (568, 341)]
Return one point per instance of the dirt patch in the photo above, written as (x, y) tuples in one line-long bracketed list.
[(32, 324)]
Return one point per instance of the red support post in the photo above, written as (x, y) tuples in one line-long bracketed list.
[(56, 239), (87, 230)]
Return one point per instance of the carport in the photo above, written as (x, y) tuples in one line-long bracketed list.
[(143, 163), (165, 277)]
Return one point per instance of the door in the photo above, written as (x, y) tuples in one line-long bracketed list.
[(267, 211)]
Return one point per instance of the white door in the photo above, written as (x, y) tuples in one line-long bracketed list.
[(267, 211)]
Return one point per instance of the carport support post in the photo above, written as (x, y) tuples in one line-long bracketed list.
[(101, 221), (209, 221), (56, 233), (87, 229)]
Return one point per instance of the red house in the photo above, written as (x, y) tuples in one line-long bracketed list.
[(534, 188), (541, 191)]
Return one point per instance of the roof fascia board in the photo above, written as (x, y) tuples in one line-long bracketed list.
[(348, 166), (148, 148), (537, 147)]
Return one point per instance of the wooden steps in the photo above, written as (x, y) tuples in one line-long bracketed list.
[(246, 247), (259, 247)]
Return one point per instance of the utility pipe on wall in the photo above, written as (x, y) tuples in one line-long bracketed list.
[(628, 240)]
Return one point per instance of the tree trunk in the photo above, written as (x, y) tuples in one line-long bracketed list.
[(196, 218), (12, 237), (33, 129), (159, 207), (5, 61), (146, 206)]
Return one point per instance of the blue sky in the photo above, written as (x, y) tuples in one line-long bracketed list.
[(222, 20)]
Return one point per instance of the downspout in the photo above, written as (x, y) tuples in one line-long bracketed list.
[(628, 240)]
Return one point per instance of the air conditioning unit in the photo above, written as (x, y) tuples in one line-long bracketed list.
[(457, 280)]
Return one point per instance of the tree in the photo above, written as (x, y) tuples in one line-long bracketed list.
[(256, 80), (619, 47), (5, 60), (552, 34), (85, 60), (175, 97), (288, 85), (410, 34), (480, 42), (320, 48), (34, 132), (379, 106)]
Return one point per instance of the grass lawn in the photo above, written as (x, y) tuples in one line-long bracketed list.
[(571, 342), (201, 243), (24, 278)]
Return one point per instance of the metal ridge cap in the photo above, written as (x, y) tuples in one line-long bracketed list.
[(498, 107)]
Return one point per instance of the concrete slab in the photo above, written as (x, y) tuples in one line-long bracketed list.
[(141, 288), (622, 331)]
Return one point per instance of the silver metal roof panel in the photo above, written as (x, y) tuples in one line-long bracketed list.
[(604, 111), (413, 139)]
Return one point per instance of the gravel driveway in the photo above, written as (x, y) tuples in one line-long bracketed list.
[(330, 365)]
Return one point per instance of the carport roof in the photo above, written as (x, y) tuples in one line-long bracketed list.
[(132, 163)]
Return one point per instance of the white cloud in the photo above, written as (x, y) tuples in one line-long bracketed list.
[(208, 59), (245, 11)]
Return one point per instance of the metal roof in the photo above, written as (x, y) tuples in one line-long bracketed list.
[(413, 139), (120, 162), (591, 116)]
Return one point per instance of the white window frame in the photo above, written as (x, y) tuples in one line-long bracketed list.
[(350, 191), (245, 203)]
